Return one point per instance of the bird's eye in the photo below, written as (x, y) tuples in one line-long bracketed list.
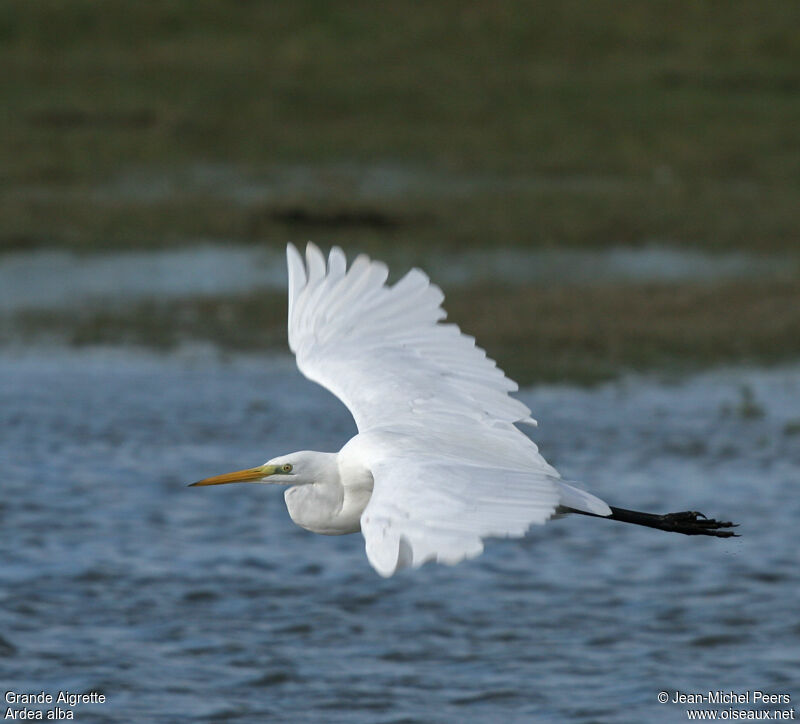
[(287, 468)]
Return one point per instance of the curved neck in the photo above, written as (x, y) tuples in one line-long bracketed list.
[(329, 500)]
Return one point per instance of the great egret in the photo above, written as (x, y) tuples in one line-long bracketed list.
[(438, 463)]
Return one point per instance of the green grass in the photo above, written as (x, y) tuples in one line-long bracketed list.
[(540, 217), (624, 122), (593, 333), (444, 125)]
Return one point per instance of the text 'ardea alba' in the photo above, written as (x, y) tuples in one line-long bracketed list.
[(438, 463)]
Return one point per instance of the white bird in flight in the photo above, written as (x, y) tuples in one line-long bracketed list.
[(438, 463)]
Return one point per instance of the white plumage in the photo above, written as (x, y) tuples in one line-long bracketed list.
[(438, 464)]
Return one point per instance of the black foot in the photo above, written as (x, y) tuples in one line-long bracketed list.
[(690, 522)]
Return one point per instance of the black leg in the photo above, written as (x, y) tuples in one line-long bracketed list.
[(689, 522)]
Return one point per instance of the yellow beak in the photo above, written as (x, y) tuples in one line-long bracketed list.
[(240, 476)]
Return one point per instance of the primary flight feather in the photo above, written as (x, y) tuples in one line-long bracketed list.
[(438, 463)]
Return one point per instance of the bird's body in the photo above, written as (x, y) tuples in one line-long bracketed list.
[(438, 463)]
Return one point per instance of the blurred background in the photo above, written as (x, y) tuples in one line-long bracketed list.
[(608, 194), (156, 158)]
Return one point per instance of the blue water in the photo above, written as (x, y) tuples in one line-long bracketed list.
[(54, 281), (209, 604)]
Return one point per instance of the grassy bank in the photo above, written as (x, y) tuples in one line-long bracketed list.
[(128, 125), (428, 126)]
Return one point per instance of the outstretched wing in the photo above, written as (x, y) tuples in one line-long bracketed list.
[(380, 349), (437, 422)]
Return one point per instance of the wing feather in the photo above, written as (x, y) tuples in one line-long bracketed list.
[(436, 422)]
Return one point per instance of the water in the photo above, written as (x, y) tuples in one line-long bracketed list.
[(58, 280), (209, 604)]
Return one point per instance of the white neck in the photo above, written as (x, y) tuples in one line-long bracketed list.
[(332, 504)]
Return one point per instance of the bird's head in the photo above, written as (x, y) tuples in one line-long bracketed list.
[(294, 469)]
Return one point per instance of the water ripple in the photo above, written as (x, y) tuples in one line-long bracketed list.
[(207, 605)]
